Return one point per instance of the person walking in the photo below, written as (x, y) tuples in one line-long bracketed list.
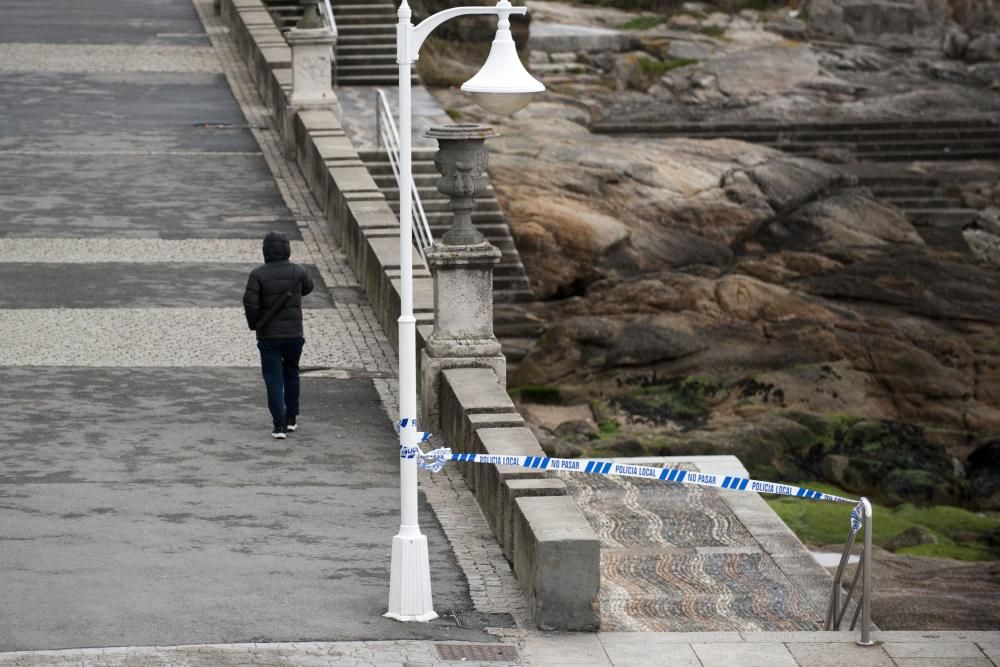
[(273, 306)]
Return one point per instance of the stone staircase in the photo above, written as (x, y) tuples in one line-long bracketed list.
[(937, 214), (366, 39), (366, 56), (878, 152), (510, 282), (896, 140), (366, 45)]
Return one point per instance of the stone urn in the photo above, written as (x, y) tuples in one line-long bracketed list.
[(462, 265), (461, 160)]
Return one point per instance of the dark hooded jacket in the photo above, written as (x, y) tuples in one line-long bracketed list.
[(266, 285)]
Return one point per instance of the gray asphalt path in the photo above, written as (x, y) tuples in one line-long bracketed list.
[(142, 500)]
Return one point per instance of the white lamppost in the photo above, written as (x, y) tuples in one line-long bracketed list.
[(502, 86)]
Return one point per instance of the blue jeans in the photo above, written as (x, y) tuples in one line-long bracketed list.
[(279, 364)]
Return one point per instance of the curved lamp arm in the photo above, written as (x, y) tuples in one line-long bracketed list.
[(413, 37)]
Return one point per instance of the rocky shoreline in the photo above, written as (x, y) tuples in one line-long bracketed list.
[(699, 296), (801, 311)]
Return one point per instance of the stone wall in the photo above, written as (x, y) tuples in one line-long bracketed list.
[(554, 551)]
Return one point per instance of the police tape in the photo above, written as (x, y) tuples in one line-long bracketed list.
[(434, 460)]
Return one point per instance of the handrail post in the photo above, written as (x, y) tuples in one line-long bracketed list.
[(835, 605), (834, 611), (378, 121), (866, 592), (388, 136)]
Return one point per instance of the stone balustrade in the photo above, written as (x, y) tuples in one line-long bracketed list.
[(554, 551)]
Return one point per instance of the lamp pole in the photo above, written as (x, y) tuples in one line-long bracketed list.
[(502, 78)]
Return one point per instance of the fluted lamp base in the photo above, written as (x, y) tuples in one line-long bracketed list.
[(410, 581)]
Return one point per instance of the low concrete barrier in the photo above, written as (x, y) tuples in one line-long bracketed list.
[(557, 562), (476, 412)]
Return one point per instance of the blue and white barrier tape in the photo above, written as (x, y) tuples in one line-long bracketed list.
[(435, 460), (422, 436)]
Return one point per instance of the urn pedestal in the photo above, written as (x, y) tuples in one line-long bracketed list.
[(462, 265)]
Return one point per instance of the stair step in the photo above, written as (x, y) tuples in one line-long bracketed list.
[(345, 74), (519, 328), (491, 223), (426, 184), (794, 136), (380, 39), (510, 282), (914, 156), (894, 148), (378, 157), (361, 8), (421, 180), (361, 47), (385, 169), (900, 192), (377, 68), (897, 124), (897, 180), (515, 348), (923, 202), (495, 227), (370, 80), (349, 22), (427, 191), (366, 58), (362, 29), (365, 50), (443, 218), (513, 296), (509, 270), (944, 218)]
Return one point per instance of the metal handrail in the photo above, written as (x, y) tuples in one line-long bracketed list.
[(387, 136), (836, 611), (331, 23)]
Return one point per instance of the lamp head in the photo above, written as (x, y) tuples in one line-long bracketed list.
[(502, 85)]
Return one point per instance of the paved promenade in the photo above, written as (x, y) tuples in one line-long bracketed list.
[(142, 501)]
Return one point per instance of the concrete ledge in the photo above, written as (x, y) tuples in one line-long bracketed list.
[(466, 392), (555, 552), (512, 489), (557, 563), (491, 479)]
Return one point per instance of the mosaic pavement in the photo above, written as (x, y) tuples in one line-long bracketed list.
[(681, 558)]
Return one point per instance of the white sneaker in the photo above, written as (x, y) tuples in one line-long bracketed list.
[(291, 425), (280, 435)]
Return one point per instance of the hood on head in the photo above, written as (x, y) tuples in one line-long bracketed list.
[(276, 247)]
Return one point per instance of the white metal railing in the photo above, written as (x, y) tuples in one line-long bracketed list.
[(387, 137), (331, 22), (836, 611)]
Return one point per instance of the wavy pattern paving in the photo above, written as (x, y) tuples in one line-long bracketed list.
[(676, 558)]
